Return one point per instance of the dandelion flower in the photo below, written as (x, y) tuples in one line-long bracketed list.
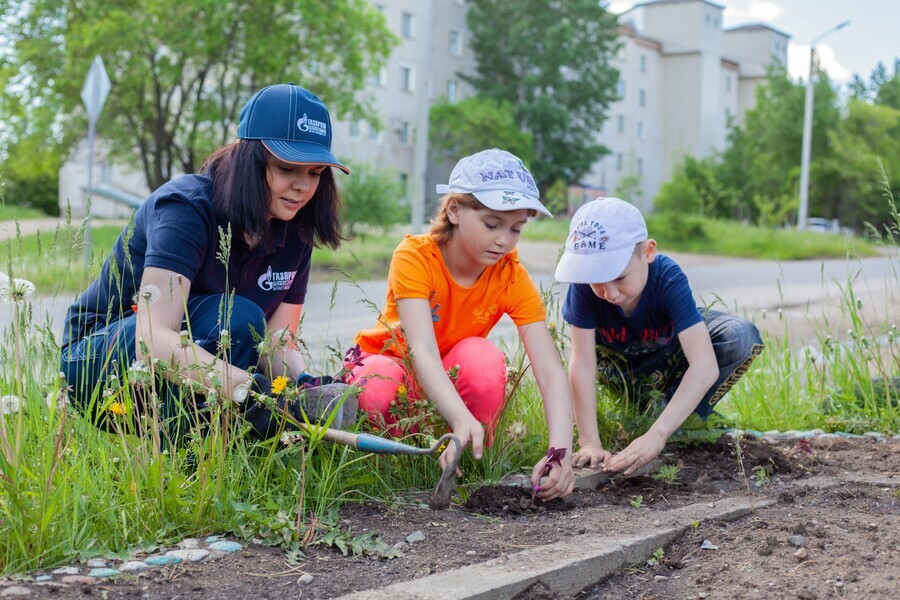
[(16, 290), (9, 405), (148, 294), (402, 390), (118, 409), (279, 384)]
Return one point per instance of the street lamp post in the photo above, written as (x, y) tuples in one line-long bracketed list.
[(803, 210)]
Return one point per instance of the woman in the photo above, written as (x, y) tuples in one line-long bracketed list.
[(212, 262)]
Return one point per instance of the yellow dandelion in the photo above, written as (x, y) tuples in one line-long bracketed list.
[(118, 409), (279, 384), (402, 390)]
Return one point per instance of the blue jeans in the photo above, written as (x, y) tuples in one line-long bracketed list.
[(109, 351), (657, 375)]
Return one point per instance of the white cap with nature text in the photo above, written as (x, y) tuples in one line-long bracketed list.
[(498, 179), (602, 237)]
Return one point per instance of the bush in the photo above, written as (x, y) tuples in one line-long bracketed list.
[(40, 191), (374, 198)]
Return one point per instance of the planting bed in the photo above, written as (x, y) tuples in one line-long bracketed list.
[(833, 529)]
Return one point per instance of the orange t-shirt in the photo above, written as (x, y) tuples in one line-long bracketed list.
[(418, 271)]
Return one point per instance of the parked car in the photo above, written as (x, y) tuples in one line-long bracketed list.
[(822, 225)]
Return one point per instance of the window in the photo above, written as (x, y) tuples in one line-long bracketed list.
[(406, 25), (643, 63), (640, 166), (620, 124), (451, 91), (640, 130), (642, 98), (403, 132), (454, 46), (407, 79), (354, 130), (380, 78), (374, 135), (619, 161), (620, 89), (728, 83)]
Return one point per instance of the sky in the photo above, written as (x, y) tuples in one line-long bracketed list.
[(872, 36)]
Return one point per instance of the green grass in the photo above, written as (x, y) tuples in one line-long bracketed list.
[(677, 233), (9, 212)]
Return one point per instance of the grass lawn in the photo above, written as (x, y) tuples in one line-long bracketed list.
[(8, 212), (676, 233)]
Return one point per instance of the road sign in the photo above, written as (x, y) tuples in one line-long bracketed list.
[(95, 89)]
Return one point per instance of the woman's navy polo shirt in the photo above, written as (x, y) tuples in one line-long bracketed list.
[(177, 228)]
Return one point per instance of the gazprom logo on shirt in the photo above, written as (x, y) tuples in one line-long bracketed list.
[(276, 281)]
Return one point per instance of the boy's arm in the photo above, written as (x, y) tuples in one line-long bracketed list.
[(557, 399), (701, 374), (583, 379)]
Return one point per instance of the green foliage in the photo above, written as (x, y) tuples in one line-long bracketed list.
[(695, 189), (376, 199), (180, 71), (668, 474), (636, 502), (475, 124), (552, 61)]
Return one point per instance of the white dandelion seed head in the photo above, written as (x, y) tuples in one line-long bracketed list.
[(16, 290), (148, 293), (9, 404), (139, 366)]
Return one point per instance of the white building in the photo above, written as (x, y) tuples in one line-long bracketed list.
[(683, 78)]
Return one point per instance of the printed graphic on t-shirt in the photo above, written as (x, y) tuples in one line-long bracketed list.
[(483, 315), (276, 281), (435, 307)]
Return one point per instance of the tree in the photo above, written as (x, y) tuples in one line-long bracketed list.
[(372, 198), (180, 71), (475, 124), (551, 60)]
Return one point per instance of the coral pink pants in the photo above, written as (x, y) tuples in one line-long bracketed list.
[(480, 381)]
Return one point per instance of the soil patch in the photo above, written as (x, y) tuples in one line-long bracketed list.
[(851, 533)]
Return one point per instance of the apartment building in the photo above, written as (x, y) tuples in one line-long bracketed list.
[(683, 79)]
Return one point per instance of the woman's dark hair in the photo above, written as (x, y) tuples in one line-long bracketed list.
[(238, 172)]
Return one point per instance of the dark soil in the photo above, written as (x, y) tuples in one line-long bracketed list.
[(851, 534)]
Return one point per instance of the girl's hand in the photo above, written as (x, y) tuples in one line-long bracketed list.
[(468, 430), (590, 455), (559, 482), (638, 453)]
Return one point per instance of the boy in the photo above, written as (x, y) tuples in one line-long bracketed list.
[(634, 322)]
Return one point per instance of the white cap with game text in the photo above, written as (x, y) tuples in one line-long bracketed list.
[(498, 179), (602, 238)]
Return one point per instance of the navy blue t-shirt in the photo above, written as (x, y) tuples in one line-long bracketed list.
[(177, 228), (665, 309)]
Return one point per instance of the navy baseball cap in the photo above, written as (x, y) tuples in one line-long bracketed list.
[(292, 123)]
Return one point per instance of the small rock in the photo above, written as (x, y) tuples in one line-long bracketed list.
[(801, 554), (67, 571), (96, 563), (657, 523), (701, 595), (660, 578), (797, 540), (305, 579), (708, 545), (399, 545), (416, 536), (874, 434), (212, 539), (471, 553), (133, 565), (189, 544), (225, 546), (189, 555), (162, 560), (43, 578), (216, 555), (104, 572), (79, 579), (829, 436), (702, 478), (15, 590), (872, 526)]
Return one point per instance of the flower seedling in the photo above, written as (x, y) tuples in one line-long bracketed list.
[(668, 474), (762, 476), (554, 456), (637, 501), (657, 556)]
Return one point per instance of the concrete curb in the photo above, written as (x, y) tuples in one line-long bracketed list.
[(566, 567), (823, 482)]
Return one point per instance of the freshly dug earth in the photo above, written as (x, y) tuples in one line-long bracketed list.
[(819, 540)]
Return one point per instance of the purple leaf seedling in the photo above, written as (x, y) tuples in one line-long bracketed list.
[(554, 455)]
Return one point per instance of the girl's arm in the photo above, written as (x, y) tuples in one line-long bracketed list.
[(158, 329), (284, 357), (583, 378), (701, 374), (418, 328), (557, 398)]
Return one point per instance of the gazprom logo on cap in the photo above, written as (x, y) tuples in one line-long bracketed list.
[(304, 123)]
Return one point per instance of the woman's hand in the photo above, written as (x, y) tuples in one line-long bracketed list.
[(638, 453), (559, 482), (469, 429), (590, 455)]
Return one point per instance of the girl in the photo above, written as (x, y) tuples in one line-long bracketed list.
[(260, 204), (446, 291)]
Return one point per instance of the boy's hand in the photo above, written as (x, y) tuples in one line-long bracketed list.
[(559, 483), (468, 430), (590, 455), (637, 454)]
